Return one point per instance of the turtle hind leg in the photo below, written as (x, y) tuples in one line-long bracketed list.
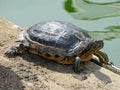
[(103, 57), (15, 50), (76, 66)]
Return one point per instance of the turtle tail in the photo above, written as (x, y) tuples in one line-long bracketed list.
[(93, 46)]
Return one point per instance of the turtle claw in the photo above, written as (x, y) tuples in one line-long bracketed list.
[(10, 52), (15, 50), (109, 63)]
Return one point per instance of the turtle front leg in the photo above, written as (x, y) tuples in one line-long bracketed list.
[(15, 50), (77, 67), (103, 58)]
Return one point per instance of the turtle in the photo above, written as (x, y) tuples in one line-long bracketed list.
[(59, 41)]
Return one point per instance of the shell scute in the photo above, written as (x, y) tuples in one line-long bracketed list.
[(59, 38)]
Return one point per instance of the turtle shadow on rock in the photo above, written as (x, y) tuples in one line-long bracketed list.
[(91, 67), (88, 67), (9, 80), (49, 64)]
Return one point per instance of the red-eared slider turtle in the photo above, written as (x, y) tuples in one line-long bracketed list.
[(59, 41)]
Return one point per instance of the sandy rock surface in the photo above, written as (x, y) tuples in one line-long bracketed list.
[(31, 72)]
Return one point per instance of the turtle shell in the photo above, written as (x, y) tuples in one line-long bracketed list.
[(57, 37)]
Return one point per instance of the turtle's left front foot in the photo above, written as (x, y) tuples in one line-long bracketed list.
[(11, 51), (77, 67), (15, 50), (103, 58)]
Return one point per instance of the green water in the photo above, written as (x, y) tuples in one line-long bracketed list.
[(101, 18)]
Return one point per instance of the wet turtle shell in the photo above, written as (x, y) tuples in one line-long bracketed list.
[(57, 37)]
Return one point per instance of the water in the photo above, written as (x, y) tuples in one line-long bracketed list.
[(100, 18)]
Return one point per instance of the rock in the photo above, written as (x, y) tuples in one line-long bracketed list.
[(31, 72)]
